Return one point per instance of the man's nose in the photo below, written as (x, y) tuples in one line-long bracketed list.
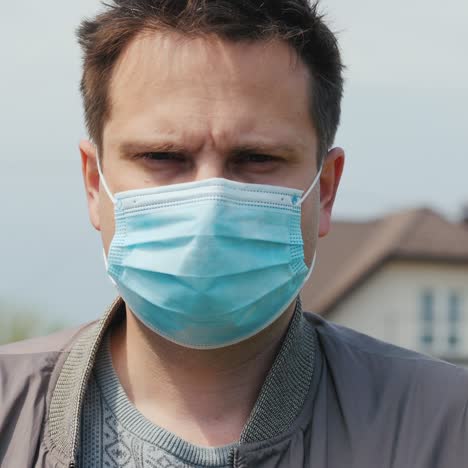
[(211, 166)]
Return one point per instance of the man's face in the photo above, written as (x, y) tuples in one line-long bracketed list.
[(187, 109)]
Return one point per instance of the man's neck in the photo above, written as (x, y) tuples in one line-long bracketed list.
[(203, 396)]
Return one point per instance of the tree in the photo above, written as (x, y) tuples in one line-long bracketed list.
[(20, 322)]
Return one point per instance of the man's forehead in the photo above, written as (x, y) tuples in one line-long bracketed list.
[(188, 88), (157, 58)]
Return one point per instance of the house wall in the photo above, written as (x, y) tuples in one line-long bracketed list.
[(389, 306)]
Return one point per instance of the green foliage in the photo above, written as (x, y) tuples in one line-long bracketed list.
[(22, 322)]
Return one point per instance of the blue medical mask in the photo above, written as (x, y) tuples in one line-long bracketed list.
[(208, 264)]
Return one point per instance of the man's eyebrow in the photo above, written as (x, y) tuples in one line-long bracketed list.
[(266, 148), (132, 147)]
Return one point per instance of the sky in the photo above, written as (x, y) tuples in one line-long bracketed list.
[(404, 128)]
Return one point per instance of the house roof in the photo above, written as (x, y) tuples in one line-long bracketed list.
[(354, 250)]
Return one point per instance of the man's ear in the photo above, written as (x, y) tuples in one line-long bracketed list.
[(91, 180), (333, 165)]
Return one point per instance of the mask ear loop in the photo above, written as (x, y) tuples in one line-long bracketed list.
[(312, 266), (103, 180), (109, 194), (301, 201), (309, 190)]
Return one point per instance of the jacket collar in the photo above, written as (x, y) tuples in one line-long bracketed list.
[(280, 403), (63, 420)]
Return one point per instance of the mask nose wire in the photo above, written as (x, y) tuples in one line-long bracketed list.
[(103, 180), (309, 190)]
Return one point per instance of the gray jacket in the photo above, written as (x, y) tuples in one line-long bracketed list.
[(344, 400)]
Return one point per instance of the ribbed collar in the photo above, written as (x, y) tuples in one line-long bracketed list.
[(281, 399)]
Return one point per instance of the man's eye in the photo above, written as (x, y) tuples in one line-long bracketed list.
[(161, 156), (256, 158)]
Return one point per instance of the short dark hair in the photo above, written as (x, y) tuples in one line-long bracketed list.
[(295, 21)]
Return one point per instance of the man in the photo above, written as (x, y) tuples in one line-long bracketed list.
[(210, 174)]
